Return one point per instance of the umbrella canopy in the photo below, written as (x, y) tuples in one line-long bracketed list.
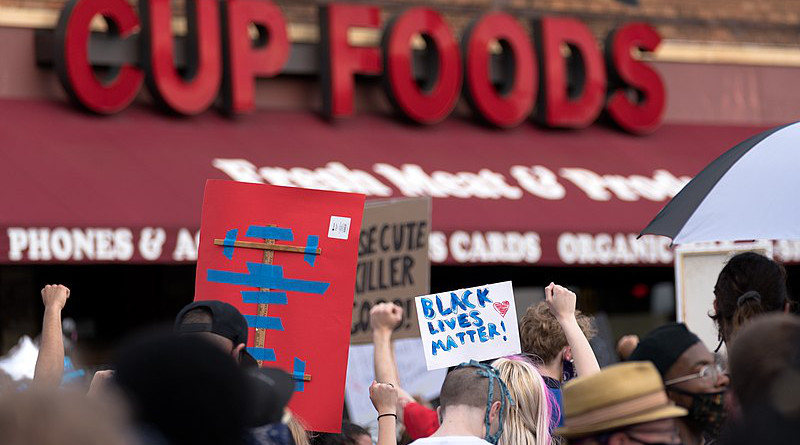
[(750, 192)]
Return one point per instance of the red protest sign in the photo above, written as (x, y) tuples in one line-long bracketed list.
[(286, 258)]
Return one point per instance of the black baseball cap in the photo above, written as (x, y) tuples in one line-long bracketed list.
[(270, 392), (226, 321)]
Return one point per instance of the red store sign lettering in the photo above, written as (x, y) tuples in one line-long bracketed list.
[(222, 58)]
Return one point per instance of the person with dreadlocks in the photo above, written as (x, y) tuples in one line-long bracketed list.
[(748, 286), (474, 402)]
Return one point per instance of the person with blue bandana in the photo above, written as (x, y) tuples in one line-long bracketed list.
[(473, 404)]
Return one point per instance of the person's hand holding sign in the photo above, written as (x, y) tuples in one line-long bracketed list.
[(562, 302)]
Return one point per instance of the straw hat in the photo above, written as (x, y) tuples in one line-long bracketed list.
[(621, 395)]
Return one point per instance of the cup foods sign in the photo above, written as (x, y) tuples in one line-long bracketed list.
[(558, 75)]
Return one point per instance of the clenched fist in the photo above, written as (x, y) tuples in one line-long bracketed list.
[(561, 301), (385, 317), (384, 397), (54, 296)]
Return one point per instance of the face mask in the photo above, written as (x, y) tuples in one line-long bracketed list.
[(568, 371), (707, 411)]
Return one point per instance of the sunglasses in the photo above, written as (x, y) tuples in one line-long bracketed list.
[(709, 374)]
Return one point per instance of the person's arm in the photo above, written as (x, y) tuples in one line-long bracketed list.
[(50, 362), (384, 398), (562, 304), (626, 345), (383, 318)]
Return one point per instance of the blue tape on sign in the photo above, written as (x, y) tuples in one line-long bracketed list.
[(265, 232), (230, 238), (311, 249), (267, 276), (264, 322), (259, 297), (263, 354), (299, 372)]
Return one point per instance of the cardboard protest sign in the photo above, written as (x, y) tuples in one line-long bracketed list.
[(477, 323), (393, 263), (286, 258)]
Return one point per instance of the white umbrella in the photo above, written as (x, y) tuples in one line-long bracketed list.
[(750, 192)]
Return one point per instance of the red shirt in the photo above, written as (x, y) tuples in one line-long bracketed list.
[(420, 421)]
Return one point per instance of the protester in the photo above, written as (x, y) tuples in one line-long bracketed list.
[(218, 322), (224, 326), (556, 336), (50, 362), (419, 420), (693, 378), (529, 419), (623, 404), (750, 284), (473, 406), (183, 391), (270, 390), (765, 373), (47, 417)]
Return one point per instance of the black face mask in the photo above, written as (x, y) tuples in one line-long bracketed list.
[(707, 411), (568, 371)]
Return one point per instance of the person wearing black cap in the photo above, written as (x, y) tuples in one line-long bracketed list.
[(220, 323), (182, 390), (269, 388), (692, 376)]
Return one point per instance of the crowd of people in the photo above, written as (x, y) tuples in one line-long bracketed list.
[(196, 384)]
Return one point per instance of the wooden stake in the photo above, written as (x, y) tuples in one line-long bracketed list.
[(269, 245), (263, 309)]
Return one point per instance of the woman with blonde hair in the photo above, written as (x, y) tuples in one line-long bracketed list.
[(529, 417)]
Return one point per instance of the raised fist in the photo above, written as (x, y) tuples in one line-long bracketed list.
[(385, 316), (55, 296)]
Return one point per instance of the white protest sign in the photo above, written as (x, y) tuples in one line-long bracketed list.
[(414, 378), (477, 323)]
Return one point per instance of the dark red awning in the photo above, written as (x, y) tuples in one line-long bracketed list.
[(128, 188)]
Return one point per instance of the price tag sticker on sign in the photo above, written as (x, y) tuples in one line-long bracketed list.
[(476, 323)]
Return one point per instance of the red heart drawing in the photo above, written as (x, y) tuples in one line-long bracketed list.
[(502, 307)]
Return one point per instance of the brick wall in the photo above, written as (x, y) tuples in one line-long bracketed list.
[(741, 21), (775, 22)]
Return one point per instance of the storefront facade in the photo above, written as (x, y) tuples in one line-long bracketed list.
[(543, 164)]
